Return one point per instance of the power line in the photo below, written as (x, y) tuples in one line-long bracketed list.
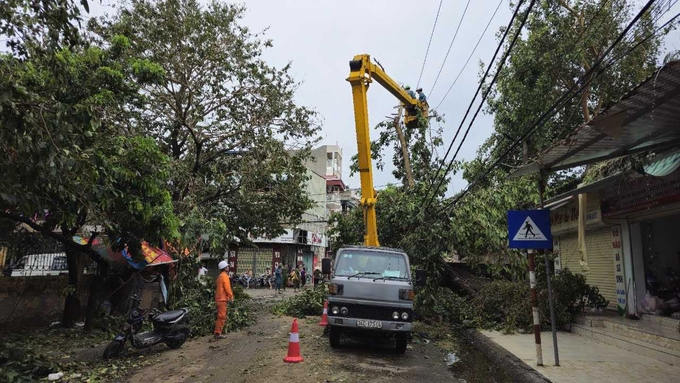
[(429, 42), (450, 46), (471, 53), (581, 35), (479, 88), (566, 97), (484, 97)]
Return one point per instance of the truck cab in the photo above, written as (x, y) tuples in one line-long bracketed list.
[(371, 290)]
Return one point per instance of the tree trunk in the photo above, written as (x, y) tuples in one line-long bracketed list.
[(96, 286), (72, 304), (404, 148)]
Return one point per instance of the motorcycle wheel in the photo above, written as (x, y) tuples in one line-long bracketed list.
[(113, 349), (177, 343)]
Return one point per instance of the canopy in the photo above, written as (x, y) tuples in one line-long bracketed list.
[(152, 256), (643, 120)]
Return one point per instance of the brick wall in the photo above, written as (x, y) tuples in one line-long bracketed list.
[(40, 300)]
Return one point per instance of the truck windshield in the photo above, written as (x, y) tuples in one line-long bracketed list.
[(371, 265)]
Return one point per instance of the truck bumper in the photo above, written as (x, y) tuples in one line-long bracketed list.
[(387, 326)]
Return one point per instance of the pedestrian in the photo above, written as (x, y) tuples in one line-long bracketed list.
[(223, 295), (303, 277), (278, 275), (269, 277), (317, 277), (295, 278)]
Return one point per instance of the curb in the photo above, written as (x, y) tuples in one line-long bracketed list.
[(514, 366)]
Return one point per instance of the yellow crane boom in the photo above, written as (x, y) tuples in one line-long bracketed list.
[(362, 73)]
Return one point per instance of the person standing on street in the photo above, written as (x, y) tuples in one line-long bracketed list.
[(303, 277), (223, 295), (278, 275)]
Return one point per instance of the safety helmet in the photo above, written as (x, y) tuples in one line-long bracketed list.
[(407, 87), (419, 90), (222, 265)]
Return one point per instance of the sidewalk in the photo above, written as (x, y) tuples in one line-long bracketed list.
[(585, 360)]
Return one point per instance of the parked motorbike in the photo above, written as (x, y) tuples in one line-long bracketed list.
[(168, 328)]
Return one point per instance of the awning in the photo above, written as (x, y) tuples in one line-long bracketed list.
[(664, 166), (564, 198), (645, 119), (152, 256)]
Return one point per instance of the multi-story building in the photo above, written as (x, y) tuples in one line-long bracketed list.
[(303, 243)]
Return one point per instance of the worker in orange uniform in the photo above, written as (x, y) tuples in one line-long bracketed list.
[(223, 295)]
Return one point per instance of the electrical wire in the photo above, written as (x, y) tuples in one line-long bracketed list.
[(429, 43), (472, 102), (471, 53), (566, 97), (450, 46), (581, 35)]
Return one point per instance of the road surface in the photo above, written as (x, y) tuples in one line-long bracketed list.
[(256, 355)]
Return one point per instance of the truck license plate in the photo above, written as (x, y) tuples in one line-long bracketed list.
[(369, 323)]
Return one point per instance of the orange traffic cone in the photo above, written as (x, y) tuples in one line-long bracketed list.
[(324, 316), (294, 345)]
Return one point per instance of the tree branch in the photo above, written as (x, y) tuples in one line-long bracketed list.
[(49, 233)]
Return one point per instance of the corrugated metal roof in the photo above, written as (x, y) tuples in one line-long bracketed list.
[(647, 118)]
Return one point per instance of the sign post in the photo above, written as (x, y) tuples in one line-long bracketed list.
[(530, 230)]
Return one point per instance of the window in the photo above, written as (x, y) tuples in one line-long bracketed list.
[(59, 263), (373, 264)]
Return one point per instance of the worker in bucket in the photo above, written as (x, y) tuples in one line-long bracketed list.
[(223, 295), (421, 96), (409, 91)]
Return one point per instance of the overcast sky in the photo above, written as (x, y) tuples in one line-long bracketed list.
[(320, 37)]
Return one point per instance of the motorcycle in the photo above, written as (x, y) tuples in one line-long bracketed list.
[(168, 328)]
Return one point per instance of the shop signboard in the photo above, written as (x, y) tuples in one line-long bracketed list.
[(641, 193), (618, 270), (565, 219)]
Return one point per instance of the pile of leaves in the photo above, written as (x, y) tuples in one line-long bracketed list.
[(440, 304), (23, 364), (309, 302), (505, 305), (187, 292)]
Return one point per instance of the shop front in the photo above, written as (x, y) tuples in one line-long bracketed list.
[(650, 205), (585, 244)]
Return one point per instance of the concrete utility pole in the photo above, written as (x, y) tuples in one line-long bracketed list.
[(404, 147)]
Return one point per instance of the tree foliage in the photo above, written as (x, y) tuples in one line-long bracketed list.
[(563, 40), (226, 118), (66, 166)]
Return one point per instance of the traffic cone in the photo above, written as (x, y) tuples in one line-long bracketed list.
[(324, 316), (294, 345)]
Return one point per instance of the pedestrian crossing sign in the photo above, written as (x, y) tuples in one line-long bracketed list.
[(529, 229)]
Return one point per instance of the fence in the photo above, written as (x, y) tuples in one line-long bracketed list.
[(46, 264)]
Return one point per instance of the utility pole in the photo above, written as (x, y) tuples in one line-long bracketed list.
[(404, 147)]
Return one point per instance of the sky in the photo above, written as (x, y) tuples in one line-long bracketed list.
[(320, 37)]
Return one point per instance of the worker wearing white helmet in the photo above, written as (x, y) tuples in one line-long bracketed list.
[(223, 295)]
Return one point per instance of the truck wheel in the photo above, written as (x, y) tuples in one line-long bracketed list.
[(401, 339), (334, 336)]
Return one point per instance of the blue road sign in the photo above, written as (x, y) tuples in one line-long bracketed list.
[(529, 229)]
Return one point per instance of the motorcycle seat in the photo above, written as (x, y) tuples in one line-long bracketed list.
[(169, 316)]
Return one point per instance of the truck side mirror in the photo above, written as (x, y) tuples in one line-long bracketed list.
[(421, 278), (325, 265)]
